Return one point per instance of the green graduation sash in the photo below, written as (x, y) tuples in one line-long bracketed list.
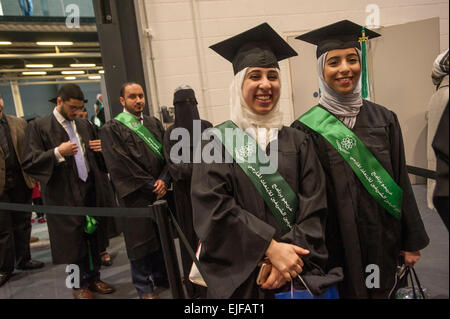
[(276, 192), (370, 172), (89, 228), (141, 131)]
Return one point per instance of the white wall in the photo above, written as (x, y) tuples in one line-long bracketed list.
[(175, 45)]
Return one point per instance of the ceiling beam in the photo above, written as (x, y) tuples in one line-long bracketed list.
[(49, 82), (50, 69), (44, 77), (52, 55)]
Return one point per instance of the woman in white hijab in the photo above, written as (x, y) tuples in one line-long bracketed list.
[(374, 217), (244, 217)]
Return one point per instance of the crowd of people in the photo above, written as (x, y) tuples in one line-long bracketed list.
[(338, 200)]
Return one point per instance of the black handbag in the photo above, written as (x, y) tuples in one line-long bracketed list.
[(402, 289)]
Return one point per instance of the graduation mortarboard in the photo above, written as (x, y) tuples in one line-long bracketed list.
[(260, 46), (340, 35)]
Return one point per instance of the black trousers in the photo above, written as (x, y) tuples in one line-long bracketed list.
[(90, 264), (15, 228)]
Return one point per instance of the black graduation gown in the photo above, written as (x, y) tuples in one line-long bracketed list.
[(105, 197), (60, 180), (360, 232), (181, 180), (133, 168), (441, 148), (236, 226)]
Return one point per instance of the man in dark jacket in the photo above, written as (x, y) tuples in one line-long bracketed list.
[(15, 187), (63, 154)]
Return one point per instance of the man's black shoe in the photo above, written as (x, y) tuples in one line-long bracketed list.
[(30, 265), (4, 277)]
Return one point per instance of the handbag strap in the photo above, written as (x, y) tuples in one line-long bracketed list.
[(411, 273), (412, 284)]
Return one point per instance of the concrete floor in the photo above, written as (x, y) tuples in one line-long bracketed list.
[(49, 282)]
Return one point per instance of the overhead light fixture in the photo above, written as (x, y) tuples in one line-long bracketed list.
[(101, 72), (70, 78), (5, 43), (54, 43), (39, 65), (34, 73), (83, 65), (72, 72), (94, 77)]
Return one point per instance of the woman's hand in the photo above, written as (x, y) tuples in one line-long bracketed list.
[(286, 258), (411, 257), (160, 188), (275, 280)]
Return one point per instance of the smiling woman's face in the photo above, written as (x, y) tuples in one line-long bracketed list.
[(342, 70), (261, 89)]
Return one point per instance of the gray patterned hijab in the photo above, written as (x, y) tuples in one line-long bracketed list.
[(344, 107)]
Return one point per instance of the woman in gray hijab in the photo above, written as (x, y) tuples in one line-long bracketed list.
[(373, 216)]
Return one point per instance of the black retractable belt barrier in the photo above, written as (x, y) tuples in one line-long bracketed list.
[(168, 247), (192, 255), (79, 211), (421, 172), (158, 212)]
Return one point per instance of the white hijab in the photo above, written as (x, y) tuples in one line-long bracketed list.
[(263, 128), (344, 107)]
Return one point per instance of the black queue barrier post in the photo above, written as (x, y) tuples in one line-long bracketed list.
[(160, 209)]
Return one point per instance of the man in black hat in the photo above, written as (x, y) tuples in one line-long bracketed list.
[(186, 118), (57, 152), (15, 187)]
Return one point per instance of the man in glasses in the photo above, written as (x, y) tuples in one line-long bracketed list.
[(63, 153)]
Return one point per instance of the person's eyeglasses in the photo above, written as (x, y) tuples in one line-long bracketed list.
[(75, 108)]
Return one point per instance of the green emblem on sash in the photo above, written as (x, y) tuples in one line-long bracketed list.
[(277, 194), (370, 172), (141, 131)]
